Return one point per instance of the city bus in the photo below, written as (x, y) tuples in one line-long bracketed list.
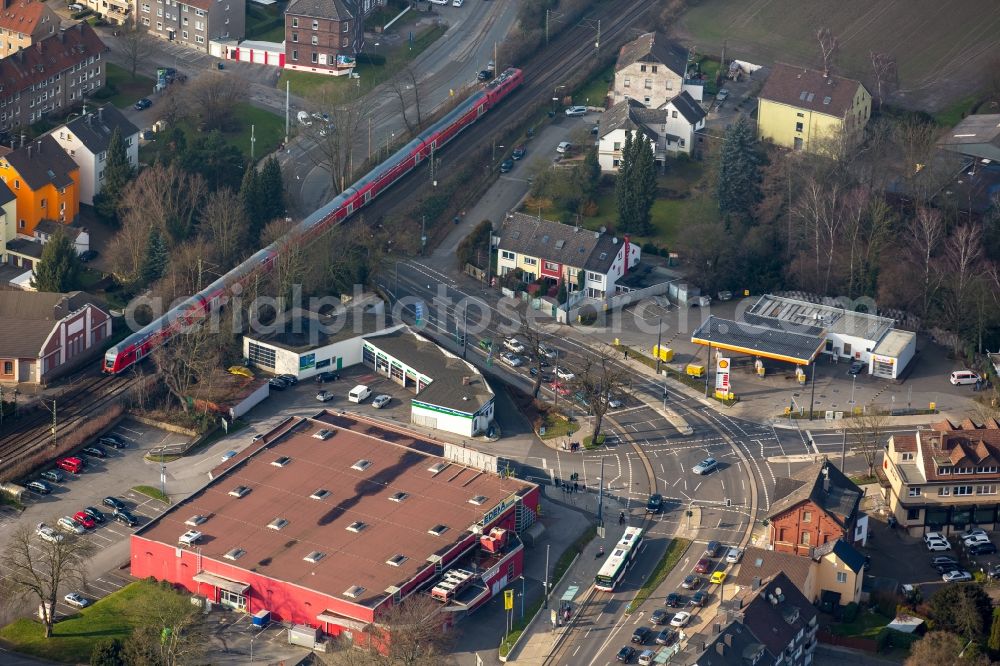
[(623, 552)]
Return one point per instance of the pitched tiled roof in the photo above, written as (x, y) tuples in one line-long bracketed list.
[(777, 613), (51, 226), (94, 130), (40, 162), (48, 57), (764, 564), (736, 645), (687, 107), (840, 500), (806, 88), (538, 237), (631, 115), (971, 446), (27, 318), (604, 254), (29, 17), (653, 47), (901, 442), (844, 551), (6, 196), (337, 10)]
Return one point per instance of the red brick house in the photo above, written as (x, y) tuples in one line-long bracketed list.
[(43, 335), (819, 505), (323, 36)]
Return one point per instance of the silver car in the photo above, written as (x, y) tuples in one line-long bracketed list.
[(706, 466), (574, 111), (381, 401)]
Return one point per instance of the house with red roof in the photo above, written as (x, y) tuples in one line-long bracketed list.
[(25, 23)]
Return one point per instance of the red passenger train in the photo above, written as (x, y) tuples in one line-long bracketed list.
[(141, 343)]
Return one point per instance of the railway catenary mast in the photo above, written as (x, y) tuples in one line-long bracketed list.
[(141, 343)]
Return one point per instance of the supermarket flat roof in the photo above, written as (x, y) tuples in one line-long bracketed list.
[(386, 489), (894, 343), (766, 339)]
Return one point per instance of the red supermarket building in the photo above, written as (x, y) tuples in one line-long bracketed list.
[(329, 520)]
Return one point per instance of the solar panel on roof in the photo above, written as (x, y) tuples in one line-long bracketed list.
[(802, 95), (811, 96)]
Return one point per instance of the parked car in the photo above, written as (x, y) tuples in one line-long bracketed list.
[(46, 533), (659, 616), (699, 598), (324, 396), (712, 549), (75, 7), (646, 657), (674, 600), (655, 503), (517, 154), (484, 75), (718, 578), (963, 377), (857, 367), (381, 401), (71, 464), (564, 374), (114, 503), (85, 519), (74, 599), (733, 555), (96, 514), (703, 565), (987, 548), (564, 147), (514, 345), (934, 536), (68, 524), (227, 455), (291, 380), (973, 531), (706, 466), (143, 103), (641, 635), (88, 255), (126, 517), (576, 111), (666, 637), (114, 441), (944, 561), (328, 376), (935, 545), (277, 383), (506, 166), (614, 403), (975, 539), (39, 487), (691, 582), (512, 360), (53, 475), (625, 654), (304, 118), (94, 451), (721, 95), (956, 576), (681, 619)]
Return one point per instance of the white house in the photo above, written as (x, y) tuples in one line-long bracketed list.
[(652, 70), (86, 140), (670, 130)]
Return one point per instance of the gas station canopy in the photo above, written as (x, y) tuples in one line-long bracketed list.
[(791, 343)]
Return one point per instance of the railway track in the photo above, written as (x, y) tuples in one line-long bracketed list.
[(74, 405)]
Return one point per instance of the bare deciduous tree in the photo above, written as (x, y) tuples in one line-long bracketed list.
[(128, 249), (290, 265), (165, 197), (926, 232), (211, 99), (192, 355), (411, 633), (37, 567), (224, 223), (820, 207), (886, 75), (962, 265), (407, 90), (337, 139), (867, 432), (534, 349), (600, 381), (828, 46), (168, 629), (135, 42)]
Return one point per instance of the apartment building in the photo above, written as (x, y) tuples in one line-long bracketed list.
[(323, 36), (24, 23), (193, 23), (944, 478), (652, 70)]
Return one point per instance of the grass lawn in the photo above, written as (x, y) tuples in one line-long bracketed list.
[(307, 84), (150, 491), (129, 89), (675, 551), (867, 625), (556, 426), (594, 91), (269, 131), (954, 114), (74, 637)]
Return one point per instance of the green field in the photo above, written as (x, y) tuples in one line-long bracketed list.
[(268, 131), (940, 49), (128, 89)]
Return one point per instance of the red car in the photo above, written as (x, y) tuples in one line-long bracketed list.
[(560, 389), (704, 564), (84, 519), (70, 464)]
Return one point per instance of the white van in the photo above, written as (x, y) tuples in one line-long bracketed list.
[(960, 377), (359, 393)]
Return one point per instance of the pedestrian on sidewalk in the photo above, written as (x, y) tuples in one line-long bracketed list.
[(626, 354)]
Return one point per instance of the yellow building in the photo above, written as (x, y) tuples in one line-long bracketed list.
[(802, 109), (831, 574)]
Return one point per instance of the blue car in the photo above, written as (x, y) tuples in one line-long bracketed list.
[(143, 104)]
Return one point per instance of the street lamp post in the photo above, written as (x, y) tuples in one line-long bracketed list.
[(659, 340), (493, 159)]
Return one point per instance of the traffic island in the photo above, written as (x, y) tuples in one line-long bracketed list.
[(675, 551)]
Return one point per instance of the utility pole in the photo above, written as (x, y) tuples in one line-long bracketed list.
[(288, 94), (843, 450), (253, 140), (812, 400), (423, 233), (369, 136), (199, 273), (708, 367), (600, 498), (547, 12), (659, 343), (496, 60), (547, 546), (433, 168), (597, 47), (465, 329)]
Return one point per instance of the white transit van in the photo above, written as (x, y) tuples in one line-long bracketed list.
[(359, 393), (960, 377)]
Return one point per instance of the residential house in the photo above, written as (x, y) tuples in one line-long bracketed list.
[(43, 335), (590, 261), (51, 76), (819, 505), (977, 136), (833, 572), (652, 70), (86, 139), (113, 11), (771, 623), (670, 130), (194, 23), (944, 478), (24, 22), (8, 219), (45, 181), (25, 252), (323, 36), (805, 109)]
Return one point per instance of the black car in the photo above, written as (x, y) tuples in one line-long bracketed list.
[(94, 513), (625, 654), (699, 598), (674, 600), (518, 153), (89, 255), (39, 487), (857, 367), (114, 503), (291, 380), (94, 451), (655, 503), (114, 441), (143, 104), (125, 516), (53, 475), (484, 75), (987, 548), (659, 616), (641, 635), (277, 383), (666, 637), (712, 549), (506, 166), (324, 377)]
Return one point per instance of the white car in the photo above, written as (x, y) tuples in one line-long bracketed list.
[(733, 555), (512, 360), (614, 403), (934, 536), (564, 374), (457, 3), (706, 466), (324, 396), (75, 7), (70, 525), (574, 111), (381, 401), (47, 533), (956, 576), (74, 599), (938, 545), (514, 345), (303, 118), (975, 540), (547, 352), (973, 532), (564, 147), (680, 619), (438, 2)]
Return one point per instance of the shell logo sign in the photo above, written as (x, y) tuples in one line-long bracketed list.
[(722, 375)]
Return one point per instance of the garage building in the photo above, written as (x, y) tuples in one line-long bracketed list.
[(331, 520)]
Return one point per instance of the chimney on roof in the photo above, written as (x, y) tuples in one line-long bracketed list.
[(100, 114), (29, 151), (24, 137), (62, 35), (728, 638), (720, 648), (756, 583), (39, 146), (826, 478)]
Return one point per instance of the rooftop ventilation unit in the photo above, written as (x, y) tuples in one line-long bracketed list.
[(195, 521), (322, 493), (282, 461), (478, 500), (354, 591), (323, 434), (277, 524), (239, 491), (438, 530), (437, 468), (235, 554), (362, 465), (356, 526), (398, 497), (396, 560), (314, 557)]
